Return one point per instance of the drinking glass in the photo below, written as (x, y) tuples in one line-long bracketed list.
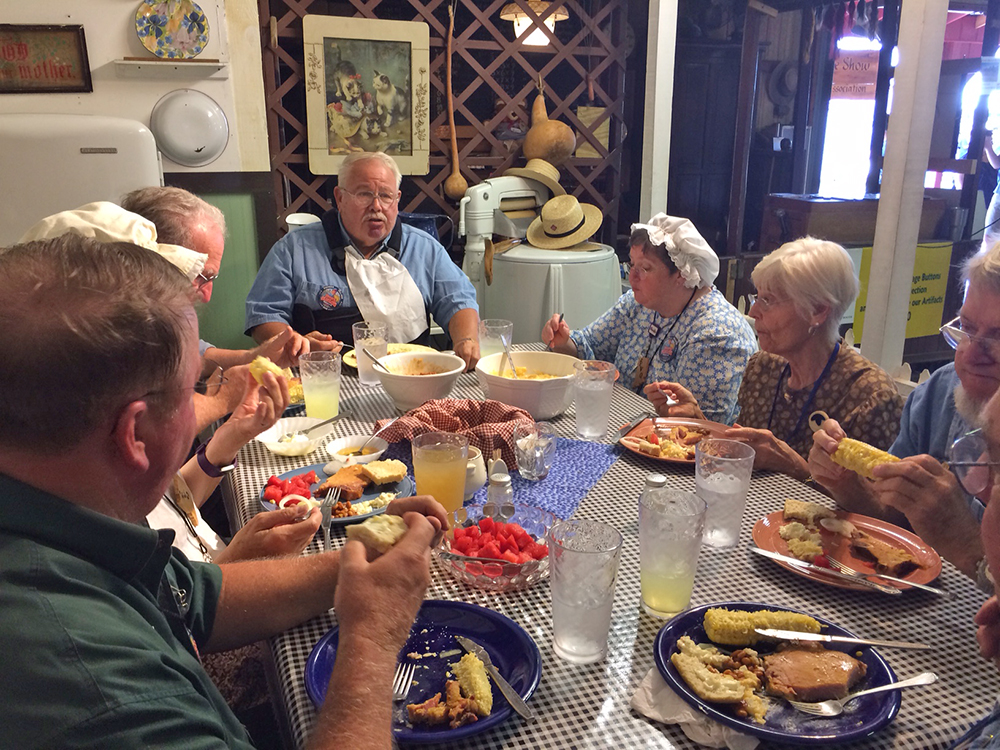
[(594, 383), (492, 334), (320, 373), (722, 479), (370, 336), (534, 447), (440, 463), (671, 523), (584, 558)]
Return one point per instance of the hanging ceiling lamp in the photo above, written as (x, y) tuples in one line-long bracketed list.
[(537, 37)]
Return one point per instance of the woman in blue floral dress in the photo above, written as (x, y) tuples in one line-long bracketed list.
[(673, 325)]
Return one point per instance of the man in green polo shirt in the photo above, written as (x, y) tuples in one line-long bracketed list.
[(102, 621)]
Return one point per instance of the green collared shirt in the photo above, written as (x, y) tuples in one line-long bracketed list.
[(100, 624)]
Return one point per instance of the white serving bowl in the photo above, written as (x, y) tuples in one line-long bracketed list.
[(410, 391), (269, 437), (542, 399), (356, 441)]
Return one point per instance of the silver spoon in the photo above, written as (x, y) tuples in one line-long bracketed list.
[(360, 451), (375, 361), (289, 436), (510, 359)]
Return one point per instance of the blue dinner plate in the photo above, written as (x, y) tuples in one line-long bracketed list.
[(511, 649), (783, 723), (404, 488)]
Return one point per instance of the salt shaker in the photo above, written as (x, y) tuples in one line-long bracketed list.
[(500, 490)]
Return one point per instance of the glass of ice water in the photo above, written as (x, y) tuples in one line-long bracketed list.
[(722, 479), (534, 447), (492, 335), (671, 523), (594, 383), (584, 558), (370, 336)]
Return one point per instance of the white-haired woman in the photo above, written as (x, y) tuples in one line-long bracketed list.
[(803, 289), (673, 325)]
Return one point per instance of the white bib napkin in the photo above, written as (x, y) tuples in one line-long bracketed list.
[(385, 292)]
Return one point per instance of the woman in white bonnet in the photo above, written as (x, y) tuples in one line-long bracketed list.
[(673, 325), (803, 289)]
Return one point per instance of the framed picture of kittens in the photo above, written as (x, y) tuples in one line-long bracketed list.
[(367, 89)]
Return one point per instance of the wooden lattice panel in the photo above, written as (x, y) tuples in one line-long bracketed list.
[(493, 75)]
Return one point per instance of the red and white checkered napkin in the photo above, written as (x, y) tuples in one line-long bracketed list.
[(488, 424)]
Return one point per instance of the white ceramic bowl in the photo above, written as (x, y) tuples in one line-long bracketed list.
[(542, 399), (410, 391), (356, 441), (269, 437)]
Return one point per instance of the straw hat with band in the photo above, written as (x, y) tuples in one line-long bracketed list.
[(108, 222), (542, 171), (687, 249), (564, 222)]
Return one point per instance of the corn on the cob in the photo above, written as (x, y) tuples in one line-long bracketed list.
[(260, 365), (860, 457), (472, 679), (736, 628)]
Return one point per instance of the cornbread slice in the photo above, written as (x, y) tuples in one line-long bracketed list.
[(707, 683), (807, 512), (860, 457), (736, 627), (260, 365), (378, 533), (384, 472), (805, 549), (472, 679)]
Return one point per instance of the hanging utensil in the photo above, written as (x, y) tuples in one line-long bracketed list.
[(456, 185)]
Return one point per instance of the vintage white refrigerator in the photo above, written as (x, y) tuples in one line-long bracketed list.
[(56, 162)]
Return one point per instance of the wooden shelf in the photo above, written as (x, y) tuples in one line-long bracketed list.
[(156, 68)]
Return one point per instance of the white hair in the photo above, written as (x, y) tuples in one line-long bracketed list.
[(813, 274), (984, 267), (359, 157)]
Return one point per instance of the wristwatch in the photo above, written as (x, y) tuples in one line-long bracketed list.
[(208, 467)]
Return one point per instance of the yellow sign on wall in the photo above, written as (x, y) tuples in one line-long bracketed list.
[(930, 282)]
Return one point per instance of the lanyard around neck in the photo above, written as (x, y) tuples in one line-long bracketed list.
[(812, 394)]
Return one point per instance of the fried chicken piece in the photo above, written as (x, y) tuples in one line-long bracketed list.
[(432, 711), (461, 711)]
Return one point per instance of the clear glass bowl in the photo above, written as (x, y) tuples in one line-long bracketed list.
[(497, 575)]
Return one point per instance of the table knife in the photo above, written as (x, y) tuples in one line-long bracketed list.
[(509, 693), (793, 635), (635, 423), (826, 571)]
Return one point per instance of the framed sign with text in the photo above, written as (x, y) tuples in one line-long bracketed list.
[(37, 59)]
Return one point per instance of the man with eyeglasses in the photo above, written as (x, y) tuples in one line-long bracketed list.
[(921, 490), (362, 263), (182, 218), (104, 623)]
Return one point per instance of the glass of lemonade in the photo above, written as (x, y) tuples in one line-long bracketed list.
[(594, 383), (492, 334), (671, 523), (584, 566), (440, 462), (320, 373), (373, 338), (722, 479)]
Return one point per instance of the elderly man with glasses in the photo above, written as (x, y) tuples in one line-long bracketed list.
[(943, 504), (362, 263)]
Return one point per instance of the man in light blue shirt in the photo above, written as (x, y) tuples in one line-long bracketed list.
[(362, 263)]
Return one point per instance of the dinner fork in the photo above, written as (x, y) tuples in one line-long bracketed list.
[(403, 679), (835, 706), (326, 511), (838, 565)]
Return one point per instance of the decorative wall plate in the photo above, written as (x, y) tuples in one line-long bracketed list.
[(172, 29)]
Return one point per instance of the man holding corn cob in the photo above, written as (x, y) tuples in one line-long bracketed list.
[(919, 490)]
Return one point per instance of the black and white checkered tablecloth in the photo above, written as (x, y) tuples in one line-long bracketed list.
[(588, 706)]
